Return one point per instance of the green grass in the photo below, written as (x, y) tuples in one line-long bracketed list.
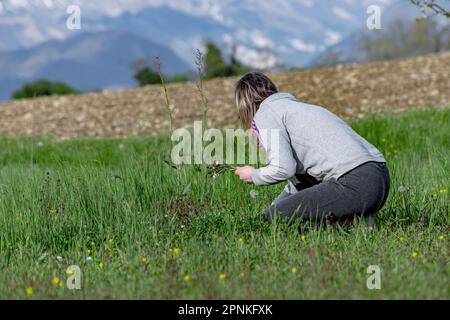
[(146, 225)]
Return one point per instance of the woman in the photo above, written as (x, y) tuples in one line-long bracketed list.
[(330, 169)]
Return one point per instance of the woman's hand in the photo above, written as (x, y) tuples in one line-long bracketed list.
[(245, 174)]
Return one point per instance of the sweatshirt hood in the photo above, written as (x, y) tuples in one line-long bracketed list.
[(279, 96)]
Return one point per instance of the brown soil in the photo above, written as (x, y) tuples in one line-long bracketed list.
[(350, 91)]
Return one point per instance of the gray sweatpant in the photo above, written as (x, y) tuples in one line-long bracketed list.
[(362, 191)]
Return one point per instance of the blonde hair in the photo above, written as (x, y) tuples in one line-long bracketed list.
[(251, 90)]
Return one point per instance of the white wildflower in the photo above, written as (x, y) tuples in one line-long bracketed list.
[(254, 194)]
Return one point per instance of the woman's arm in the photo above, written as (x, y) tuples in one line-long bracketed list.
[(275, 139)]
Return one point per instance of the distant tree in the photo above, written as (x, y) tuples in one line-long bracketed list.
[(431, 6), (43, 88), (215, 64), (217, 67), (146, 76)]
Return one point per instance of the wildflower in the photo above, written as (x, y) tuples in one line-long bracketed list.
[(215, 175), (176, 250), (242, 274), (187, 278), (59, 258), (89, 258), (254, 194), (110, 241), (241, 240), (143, 261), (101, 265), (441, 237), (402, 189), (442, 190), (55, 281), (414, 254), (222, 276), (88, 251), (402, 239), (29, 291), (294, 270), (303, 237)]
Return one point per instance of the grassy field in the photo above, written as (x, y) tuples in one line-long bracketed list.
[(139, 229)]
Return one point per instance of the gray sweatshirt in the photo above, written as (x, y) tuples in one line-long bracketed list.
[(301, 138)]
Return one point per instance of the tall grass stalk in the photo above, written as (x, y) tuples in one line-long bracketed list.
[(201, 67), (166, 94)]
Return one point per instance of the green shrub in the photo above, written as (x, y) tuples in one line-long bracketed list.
[(43, 88)]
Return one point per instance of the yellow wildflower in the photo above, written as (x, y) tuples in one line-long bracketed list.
[(176, 250), (29, 291), (303, 237), (143, 260), (101, 265), (187, 278), (294, 270), (222, 276), (441, 237), (55, 281), (414, 254)]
